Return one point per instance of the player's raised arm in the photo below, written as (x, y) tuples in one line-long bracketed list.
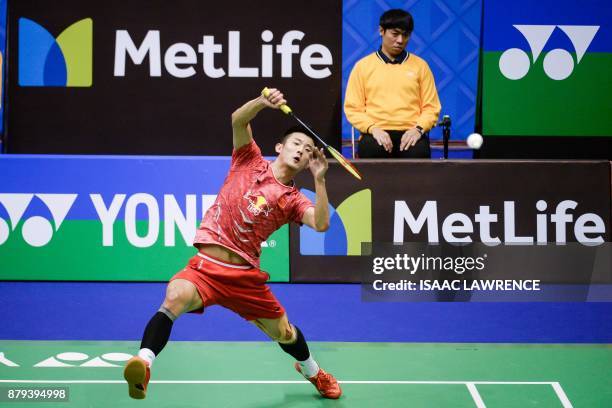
[(317, 217), (241, 117)]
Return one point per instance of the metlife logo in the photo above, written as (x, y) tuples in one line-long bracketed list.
[(62, 61), (44, 60), (180, 59), (458, 227)]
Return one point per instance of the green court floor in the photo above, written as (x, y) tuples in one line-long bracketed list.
[(256, 374)]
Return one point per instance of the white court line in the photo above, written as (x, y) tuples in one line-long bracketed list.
[(282, 382), (471, 385), (561, 394), (475, 395)]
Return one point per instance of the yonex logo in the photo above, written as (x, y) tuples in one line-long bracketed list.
[(47, 61), (37, 231), (558, 64), (75, 359), (350, 224), (457, 227)]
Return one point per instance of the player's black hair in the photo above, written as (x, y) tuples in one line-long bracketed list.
[(295, 129), (397, 18)]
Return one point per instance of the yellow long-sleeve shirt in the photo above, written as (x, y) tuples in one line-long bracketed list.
[(391, 96)]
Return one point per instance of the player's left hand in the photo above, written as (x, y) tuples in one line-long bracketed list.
[(409, 139), (318, 164)]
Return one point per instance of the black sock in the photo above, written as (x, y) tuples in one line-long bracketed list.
[(157, 333), (299, 349)]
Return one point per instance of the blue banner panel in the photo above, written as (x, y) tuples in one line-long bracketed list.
[(110, 217), (500, 17)]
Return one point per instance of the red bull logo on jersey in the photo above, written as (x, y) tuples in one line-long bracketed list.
[(257, 204)]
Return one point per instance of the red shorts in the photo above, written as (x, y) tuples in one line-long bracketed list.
[(240, 288)]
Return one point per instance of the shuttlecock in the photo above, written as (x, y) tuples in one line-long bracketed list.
[(474, 141)]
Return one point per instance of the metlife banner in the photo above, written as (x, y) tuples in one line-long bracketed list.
[(509, 209), (159, 77), (110, 218)]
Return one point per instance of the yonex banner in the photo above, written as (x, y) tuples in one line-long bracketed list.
[(546, 68), (110, 218), (515, 203), (100, 80)]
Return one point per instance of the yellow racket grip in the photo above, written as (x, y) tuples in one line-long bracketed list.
[(286, 109)]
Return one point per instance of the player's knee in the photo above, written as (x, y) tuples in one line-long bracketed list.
[(286, 333), (273, 334), (279, 337), (177, 299), (278, 330)]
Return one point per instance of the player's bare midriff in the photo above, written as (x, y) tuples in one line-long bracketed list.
[(221, 253)]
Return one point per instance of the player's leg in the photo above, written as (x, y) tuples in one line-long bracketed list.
[(181, 297), (254, 301), (292, 341)]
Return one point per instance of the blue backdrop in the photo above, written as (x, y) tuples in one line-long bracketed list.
[(2, 64), (119, 311)]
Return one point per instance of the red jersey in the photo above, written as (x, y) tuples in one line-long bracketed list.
[(250, 206)]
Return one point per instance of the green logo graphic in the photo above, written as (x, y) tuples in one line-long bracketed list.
[(349, 225)]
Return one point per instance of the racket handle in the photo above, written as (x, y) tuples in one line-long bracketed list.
[(286, 109)]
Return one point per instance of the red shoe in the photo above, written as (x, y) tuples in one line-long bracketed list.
[(137, 374), (324, 382)]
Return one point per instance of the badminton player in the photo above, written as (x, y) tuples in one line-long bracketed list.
[(256, 199)]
